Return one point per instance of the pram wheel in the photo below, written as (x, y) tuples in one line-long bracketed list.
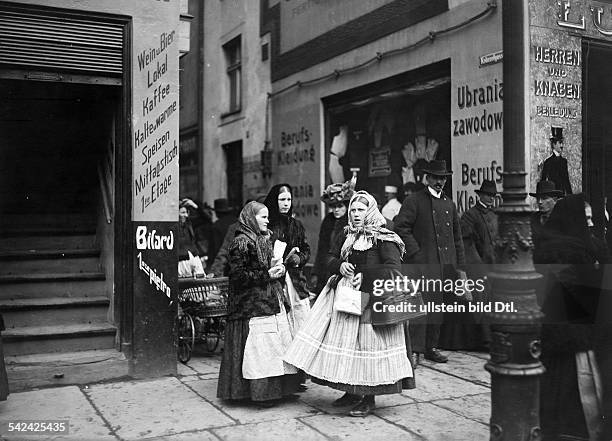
[(186, 338)]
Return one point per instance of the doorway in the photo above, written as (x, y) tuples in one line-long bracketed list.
[(597, 127)]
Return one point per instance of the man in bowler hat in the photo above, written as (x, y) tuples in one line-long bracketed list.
[(428, 223), (555, 167)]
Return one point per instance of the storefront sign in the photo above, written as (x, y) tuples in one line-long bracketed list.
[(379, 162), (296, 161), (576, 19), (155, 138)]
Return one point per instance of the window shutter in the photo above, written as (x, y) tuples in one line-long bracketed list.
[(33, 39)]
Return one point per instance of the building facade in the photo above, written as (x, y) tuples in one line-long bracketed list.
[(235, 117), (381, 87), (90, 185)]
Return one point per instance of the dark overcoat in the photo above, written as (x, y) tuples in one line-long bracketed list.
[(430, 229), (555, 169), (479, 228), (252, 292), (431, 232)]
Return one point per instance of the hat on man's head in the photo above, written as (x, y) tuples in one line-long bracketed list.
[(222, 206), (338, 193), (556, 133), (546, 188), (487, 187), (390, 189), (437, 167)]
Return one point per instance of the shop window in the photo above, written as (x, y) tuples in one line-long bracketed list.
[(233, 60)]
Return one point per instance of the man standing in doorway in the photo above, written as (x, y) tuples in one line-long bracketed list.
[(555, 167), (428, 223)]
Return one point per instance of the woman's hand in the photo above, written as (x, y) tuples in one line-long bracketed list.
[(277, 271), (347, 269)]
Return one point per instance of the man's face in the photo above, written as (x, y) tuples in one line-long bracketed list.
[(436, 182), (557, 147), (546, 203), (486, 199), (389, 196)]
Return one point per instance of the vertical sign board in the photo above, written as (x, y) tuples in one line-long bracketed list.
[(155, 191), (477, 92), (296, 161)]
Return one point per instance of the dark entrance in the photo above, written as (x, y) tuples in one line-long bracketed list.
[(597, 127), (233, 156)]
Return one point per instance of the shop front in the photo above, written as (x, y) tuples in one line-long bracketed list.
[(90, 181), (571, 44), (383, 110)]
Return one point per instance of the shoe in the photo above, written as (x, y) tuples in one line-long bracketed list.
[(302, 388), (346, 400), (435, 356), (265, 404), (363, 409)]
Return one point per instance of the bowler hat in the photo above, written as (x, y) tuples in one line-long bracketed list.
[(546, 188), (437, 167), (556, 134), (487, 187), (222, 206)]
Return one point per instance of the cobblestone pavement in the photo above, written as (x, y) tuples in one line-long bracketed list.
[(451, 402)]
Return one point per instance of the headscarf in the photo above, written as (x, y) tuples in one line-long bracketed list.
[(373, 228), (282, 221), (248, 226)]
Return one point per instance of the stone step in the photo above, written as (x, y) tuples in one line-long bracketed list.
[(64, 285), (47, 220), (50, 261), (63, 368), (53, 311), (59, 338), (49, 242)]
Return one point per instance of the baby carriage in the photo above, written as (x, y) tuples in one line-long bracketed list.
[(202, 313)]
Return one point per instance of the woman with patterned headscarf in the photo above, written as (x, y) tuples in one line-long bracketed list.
[(345, 351), (257, 333)]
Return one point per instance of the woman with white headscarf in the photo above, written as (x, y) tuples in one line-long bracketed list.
[(345, 351)]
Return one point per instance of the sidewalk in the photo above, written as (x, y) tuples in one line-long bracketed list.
[(451, 402)]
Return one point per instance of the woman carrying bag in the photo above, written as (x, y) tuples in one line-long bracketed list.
[(257, 333), (344, 350)]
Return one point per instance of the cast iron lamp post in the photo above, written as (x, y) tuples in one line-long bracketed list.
[(514, 365)]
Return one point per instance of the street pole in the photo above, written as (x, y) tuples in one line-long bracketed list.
[(515, 348)]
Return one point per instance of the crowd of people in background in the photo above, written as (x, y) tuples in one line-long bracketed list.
[(418, 233)]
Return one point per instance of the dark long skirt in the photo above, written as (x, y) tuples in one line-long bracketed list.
[(561, 410), (4, 389), (232, 386)]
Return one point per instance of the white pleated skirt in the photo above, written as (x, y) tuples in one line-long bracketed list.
[(336, 347)]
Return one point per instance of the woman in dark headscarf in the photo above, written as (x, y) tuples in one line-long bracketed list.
[(344, 351), (257, 332), (287, 229), (574, 258)]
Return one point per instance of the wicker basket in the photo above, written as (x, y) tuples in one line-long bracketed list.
[(204, 297)]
